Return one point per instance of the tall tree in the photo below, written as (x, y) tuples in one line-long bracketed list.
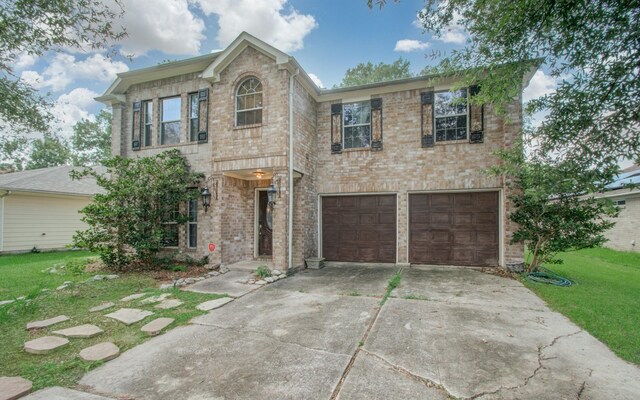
[(50, 151), (591, 46), (364, 73), (13, 153), (91, 140), (34, 27)]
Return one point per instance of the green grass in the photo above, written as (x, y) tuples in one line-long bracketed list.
[(22, 275), (393, 283), (604, 299)]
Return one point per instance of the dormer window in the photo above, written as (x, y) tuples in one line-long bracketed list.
[(249, 102)]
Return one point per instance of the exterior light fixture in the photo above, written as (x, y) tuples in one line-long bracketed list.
[(206, 198), (258, 174), (271, 193)]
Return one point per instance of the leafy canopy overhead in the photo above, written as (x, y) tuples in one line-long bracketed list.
[(34, 27), (591, 46), (363, 73)]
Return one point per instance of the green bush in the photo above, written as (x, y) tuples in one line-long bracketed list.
[(263, 272), (75, 266)]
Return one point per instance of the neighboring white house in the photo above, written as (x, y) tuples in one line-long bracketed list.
[(40, 208), (625, 235)]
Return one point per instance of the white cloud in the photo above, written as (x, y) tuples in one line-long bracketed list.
[(24, 60), (316, 80), (65, 68), (454, 35), (70, 108), (165, 25), (265, 19), (540, 85), (408, 45)]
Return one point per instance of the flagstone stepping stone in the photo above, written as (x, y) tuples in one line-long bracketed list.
[(129, 316), (80, 331), (154, 327), (155, 299), (3, 302), (133, 297), (13, 387), (168, 304), (60, 393), (45, 344), (101, 307), (100, 352), (47, 322), (213, 304)]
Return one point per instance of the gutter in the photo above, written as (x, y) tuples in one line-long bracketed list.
[(292, 78)]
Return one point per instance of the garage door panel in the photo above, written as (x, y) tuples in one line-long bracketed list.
[(454, 228), (367, 232)]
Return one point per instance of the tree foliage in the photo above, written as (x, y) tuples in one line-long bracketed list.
[(34, 27), (591, 46), (364, 73), (553, 205), (50, 151), (91, 140), (127, 222)]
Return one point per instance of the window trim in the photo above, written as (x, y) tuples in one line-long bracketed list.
[(194, 222), (344, 126), (162, 122), (193, 136), (235, 101), (143, 121), (435, 117)]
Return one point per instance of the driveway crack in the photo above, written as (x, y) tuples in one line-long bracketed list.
[(535, 371)]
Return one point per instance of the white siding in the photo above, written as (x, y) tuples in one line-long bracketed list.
[(47, 222), (625, 235)]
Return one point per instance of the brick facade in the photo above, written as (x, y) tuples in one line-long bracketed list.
[(231, 154)]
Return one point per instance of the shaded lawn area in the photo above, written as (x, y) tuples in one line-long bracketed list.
[(604, 299), (22, 275)]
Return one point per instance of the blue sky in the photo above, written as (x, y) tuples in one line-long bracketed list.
[(327, 37)]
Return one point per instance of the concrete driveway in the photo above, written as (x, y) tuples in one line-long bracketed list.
[(447, 332)]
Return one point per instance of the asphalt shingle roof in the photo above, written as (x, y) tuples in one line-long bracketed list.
[(54, 180)]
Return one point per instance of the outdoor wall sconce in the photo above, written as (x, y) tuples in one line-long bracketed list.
[(273, 189), (207, 195)]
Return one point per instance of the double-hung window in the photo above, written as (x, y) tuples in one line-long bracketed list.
[(356, 125), (170, 121), (450, 114), (249, 102), (192, 223), (147, 122), (194, 116), (170, 237)]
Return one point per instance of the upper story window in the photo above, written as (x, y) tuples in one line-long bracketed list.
[(194, 116), (147, 122), (170, 120), (450, 113), (356, 125), (249, 102)]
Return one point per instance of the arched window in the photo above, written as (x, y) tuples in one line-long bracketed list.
[(249, 102)]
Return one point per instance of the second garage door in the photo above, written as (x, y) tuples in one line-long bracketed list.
[(359, 228), (454, 228)]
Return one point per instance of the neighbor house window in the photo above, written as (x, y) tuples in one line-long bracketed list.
[(620, 203), (147, 122), (192, 223), (450, 114), (194, 116), (356, 125), (249, 102), (170, 121)]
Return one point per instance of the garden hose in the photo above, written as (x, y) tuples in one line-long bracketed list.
[(549, 277)]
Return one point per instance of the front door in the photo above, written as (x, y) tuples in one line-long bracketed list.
[(265, 225)]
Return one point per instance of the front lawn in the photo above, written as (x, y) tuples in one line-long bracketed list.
[(604, 299), (28, 274)]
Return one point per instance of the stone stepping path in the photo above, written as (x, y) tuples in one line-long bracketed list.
[(80, 331), (60, 393), (169, 304), (154, 327), (100, 352), (47, 322), (45, 344), (133, 297), (3, 302), (101, 307), (213, 304), (129, 316), (14, 387), (155, 299)]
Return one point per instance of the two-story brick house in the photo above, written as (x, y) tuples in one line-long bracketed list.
[(388, 172)]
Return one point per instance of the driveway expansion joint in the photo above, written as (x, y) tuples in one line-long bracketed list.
[(535, 371)]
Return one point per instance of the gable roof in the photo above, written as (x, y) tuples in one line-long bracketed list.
[(53, 180)]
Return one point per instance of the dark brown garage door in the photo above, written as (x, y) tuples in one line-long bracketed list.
[(359, 228), (453, 228)]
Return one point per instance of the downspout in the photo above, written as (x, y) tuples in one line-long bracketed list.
[(290, 216)]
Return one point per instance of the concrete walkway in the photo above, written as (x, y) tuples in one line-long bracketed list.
[(448, 333)]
